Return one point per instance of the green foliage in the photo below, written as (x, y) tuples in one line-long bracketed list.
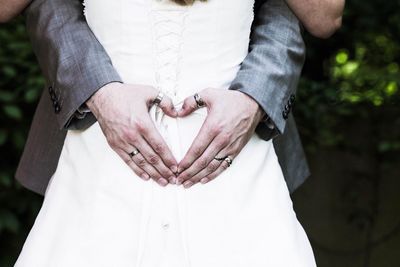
[(20, 86), (353, 75)]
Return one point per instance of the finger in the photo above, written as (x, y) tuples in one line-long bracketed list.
[(136, 169), (204, 164), (155, 160), (203, 139), (142, 163), (214, 169), (167, 107), (199, 177), (222, 167), (158, 145), (189, 105)]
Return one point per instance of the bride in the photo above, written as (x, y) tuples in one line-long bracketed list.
[(181, 57)]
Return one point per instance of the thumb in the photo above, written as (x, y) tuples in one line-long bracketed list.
[(167, 107), (189, 105)]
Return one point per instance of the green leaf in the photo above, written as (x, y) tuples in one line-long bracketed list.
[(8, 221), (6, 96), (31, 95), (13, 112), (3, 136)]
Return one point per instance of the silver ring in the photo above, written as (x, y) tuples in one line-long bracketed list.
[(158, 99), (199, 101), (134, 153), (228, 160), (220, 159)]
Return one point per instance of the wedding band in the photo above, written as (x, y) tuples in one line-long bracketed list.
[(134, 152), (228, 160), (199, 101), (158, 99)]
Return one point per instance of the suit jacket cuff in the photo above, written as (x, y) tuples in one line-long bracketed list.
[(268, 98), (77, 117)]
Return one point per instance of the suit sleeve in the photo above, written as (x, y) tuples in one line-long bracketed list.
[(271, 70), (73, 61)]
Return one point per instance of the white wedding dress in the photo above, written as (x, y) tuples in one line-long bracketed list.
[(98, 213)]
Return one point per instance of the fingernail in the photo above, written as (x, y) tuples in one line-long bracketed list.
[(204, 180), (172, 180), (174, 169), (188, 184), (162, 181), (145, 176)]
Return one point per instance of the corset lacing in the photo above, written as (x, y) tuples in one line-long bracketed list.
[(167, 24)]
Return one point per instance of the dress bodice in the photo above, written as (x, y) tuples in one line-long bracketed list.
[(98, 212), (179, 49)]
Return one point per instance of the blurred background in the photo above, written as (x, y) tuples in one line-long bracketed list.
[(348, 113)]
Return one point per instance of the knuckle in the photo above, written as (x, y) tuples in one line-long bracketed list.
[(224, 166), (130, 136), (158, 148), (203, 163), (188, 174), (127, 161), (197, 151), (212, 167), (141, 162), (215, 128), (225, 137), (140, 126), (153, 159), (194, 181), (155, 177), (211, 176), (166, 173)]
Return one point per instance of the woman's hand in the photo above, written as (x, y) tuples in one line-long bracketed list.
[(320, 17), (123, 114), (10, 8), (231, 121)]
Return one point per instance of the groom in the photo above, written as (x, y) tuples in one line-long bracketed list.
[(82, 86)]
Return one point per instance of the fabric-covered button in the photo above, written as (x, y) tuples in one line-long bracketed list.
[(165, 226)]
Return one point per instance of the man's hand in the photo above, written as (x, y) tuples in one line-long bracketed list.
[(123, 115), (231, 121)]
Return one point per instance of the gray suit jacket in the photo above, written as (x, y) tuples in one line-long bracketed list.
[(75, 66)]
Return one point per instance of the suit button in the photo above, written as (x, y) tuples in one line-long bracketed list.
[(55, 103), (57, 108), (292, 99), (285, 114), (287, 107)]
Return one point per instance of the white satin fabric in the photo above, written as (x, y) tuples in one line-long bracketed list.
[(97, 212)]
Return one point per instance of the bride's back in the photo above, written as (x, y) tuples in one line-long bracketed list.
[(181, 49)]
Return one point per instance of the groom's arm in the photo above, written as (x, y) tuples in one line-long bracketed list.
[(271, 70), (72, 60)]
